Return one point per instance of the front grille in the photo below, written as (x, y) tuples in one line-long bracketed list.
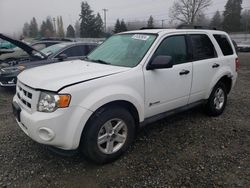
[(24, 96)]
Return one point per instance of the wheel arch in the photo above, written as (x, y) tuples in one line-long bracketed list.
[(225, 78)]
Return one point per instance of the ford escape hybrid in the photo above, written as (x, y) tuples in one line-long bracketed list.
[(133, 78)]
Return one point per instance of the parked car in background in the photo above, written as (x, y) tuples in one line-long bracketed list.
[(244, 46), (55, 53), (19, 53)]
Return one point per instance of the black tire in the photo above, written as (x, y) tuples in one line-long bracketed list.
[(211, 107), (89, 141)]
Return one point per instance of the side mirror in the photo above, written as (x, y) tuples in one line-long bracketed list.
[(160, 62), (62, 57)]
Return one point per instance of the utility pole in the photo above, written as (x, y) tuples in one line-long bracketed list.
[(162, 22), (54, 21), (105, 19)]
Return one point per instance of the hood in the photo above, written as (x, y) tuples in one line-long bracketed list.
[(59, 75), (27, 48)]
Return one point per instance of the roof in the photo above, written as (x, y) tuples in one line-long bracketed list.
[(167, 31)]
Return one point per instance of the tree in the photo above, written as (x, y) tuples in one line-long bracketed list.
[(26, 30), (87, 20), (70, 32), (60, 30), (232, 16), (216, 20), (33, 28), (186, 11), (77, 29), (120, 26), (98, 30), (46, 29), (117, 26), (151, 22), (123, 26)]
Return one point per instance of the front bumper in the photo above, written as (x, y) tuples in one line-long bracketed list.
[(61, 129)]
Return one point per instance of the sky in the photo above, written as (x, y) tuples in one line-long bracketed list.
[(14, 13)]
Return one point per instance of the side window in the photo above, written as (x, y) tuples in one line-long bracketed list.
[(91, 48), (72, 51), (224, 44), (203, 48), (174, 46), (86, 49)]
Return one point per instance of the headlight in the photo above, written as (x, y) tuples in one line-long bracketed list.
[(50, 102)]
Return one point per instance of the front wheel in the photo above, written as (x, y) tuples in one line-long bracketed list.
[(108, 134), (217, 100)]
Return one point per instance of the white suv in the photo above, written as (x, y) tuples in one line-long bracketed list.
[(132, 79)]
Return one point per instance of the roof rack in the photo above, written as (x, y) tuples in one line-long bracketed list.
[(144, 28), (187, 26)]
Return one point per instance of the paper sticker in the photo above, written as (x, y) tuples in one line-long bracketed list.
[(140, 37)]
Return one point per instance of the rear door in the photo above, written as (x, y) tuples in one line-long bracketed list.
[(205, 65), (167, 89)]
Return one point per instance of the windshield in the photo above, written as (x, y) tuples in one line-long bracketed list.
[(53, 49), (123, 50)]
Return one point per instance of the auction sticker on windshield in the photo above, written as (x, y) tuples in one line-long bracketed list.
[(140, 37)]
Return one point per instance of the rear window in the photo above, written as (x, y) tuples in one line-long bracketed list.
[(224, 44), (203, 48)]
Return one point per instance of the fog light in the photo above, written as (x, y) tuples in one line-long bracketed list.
[(46, 134)]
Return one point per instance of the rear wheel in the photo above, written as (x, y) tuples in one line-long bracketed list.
[(108, 134), (217, 100)]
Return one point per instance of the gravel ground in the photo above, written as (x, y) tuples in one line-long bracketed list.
[(185, 150)]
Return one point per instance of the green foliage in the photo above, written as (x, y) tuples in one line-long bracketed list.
[(151, 22), (91, 25), (232, 16), (70, 32)]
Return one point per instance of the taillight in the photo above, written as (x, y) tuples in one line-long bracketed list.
[(237, 64)]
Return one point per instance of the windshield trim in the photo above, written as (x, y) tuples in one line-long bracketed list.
[(143, 33)]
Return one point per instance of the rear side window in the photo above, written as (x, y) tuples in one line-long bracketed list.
[(174, 46), (86, 49), (224, 44), (74, 51), (203, 48)]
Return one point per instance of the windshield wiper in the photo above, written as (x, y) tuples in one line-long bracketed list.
[(97, 61), (102, 62)]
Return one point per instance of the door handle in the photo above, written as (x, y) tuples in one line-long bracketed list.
[(184, 72), (215, 65)]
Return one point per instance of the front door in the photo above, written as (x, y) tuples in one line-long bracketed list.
[(167, 89)]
